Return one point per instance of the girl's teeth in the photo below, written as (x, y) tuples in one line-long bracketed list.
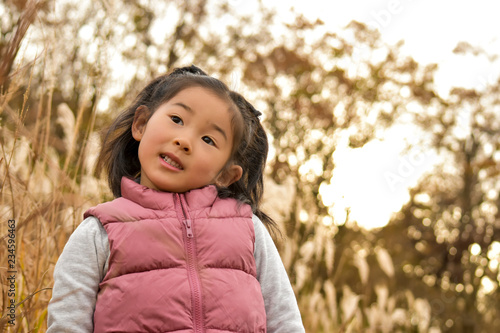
[(171, 162)]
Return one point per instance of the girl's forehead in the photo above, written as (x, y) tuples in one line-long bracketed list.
[(200, 99), (200, 94), (193, 90)]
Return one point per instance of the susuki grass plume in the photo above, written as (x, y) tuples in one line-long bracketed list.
[(43, 188), (43, 195)]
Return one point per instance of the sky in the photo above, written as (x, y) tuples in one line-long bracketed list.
[(373, 181), (430, 30)]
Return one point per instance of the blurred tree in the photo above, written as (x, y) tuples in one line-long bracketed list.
[(322, 90), (446, 240)]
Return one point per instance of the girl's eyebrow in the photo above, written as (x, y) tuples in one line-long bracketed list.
[(215, 127), (218, 129), (185, 107)]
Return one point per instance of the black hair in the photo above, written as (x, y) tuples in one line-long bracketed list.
[(119, 154), (251, 155)]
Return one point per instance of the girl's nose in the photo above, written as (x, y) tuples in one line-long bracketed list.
[(183, 144)]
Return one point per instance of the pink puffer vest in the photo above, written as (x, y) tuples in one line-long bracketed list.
[(178, 262)]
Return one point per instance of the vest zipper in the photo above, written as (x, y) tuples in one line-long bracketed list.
[(193, 277)]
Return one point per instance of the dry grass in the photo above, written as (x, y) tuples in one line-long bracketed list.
[(44, 190)]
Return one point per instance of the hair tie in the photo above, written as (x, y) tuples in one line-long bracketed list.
[(255, 112), (191, 70)]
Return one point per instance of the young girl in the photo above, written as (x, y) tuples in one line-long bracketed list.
[(183, 248)]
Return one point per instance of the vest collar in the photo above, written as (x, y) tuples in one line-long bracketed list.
[(158, 200)]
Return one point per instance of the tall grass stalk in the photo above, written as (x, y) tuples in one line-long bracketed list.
[(40, 190)]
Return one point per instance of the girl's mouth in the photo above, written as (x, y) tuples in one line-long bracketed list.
[(171, 162)]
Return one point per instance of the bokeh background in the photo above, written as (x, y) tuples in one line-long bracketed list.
[(384, 119)]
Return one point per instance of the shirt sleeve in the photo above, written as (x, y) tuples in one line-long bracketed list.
[(282, 311), (77, 274)]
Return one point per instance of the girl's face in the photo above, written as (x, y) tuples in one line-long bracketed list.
[(186, 143)]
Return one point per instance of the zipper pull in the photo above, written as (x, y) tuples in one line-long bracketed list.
[(189, 228)]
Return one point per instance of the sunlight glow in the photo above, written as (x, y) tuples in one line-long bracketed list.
[(487, 286), (475, 249), (372, 182)]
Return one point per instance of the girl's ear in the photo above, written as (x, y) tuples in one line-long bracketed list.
[(140, 121), (229, 175)]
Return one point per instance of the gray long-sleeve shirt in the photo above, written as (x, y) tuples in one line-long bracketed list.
[(84, 262)]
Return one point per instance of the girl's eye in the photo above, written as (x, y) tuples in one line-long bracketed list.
[(208, 140), (177, 120)]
